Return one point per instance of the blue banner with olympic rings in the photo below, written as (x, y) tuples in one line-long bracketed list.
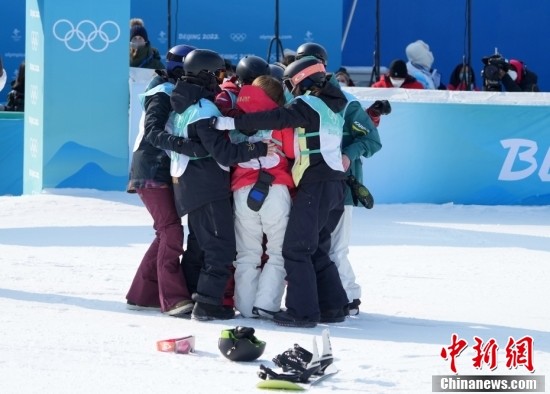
[(76, 107)]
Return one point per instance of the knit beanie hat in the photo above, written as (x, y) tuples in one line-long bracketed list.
[(418, 52), (137, 28), (398, 69)]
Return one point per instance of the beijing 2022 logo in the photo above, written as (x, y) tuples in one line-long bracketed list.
[(86, 32)]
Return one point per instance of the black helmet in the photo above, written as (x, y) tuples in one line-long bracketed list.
[(277, 70), (312, 49), (250, 67), (203, 60), (304, 73), (174, 59), (240, 344)]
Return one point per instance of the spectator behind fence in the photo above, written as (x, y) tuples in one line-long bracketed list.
[(3, 77), (419, 65), (16, 96), (398, 77), (343, 77), (462, 78), (142, 54)]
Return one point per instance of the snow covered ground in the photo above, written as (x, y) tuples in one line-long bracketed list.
[(67, 258)]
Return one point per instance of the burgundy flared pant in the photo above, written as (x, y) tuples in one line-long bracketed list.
[(159, 280)]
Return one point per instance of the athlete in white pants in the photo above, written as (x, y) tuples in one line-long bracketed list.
[(339, 249), (259, 291), (254, 286)]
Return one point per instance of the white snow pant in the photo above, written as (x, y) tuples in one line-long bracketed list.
[(262, 288), (339, 249)]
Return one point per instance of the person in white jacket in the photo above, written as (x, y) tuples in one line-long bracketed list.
[(419, 65)]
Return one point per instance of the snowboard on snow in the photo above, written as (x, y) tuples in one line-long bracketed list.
[(279, 384)]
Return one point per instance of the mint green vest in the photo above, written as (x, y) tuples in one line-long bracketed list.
[(330, 136)]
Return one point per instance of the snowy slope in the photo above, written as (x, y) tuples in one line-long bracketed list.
[(67, 258)]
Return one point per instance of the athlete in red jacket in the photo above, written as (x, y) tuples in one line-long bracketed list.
[(261, 195)]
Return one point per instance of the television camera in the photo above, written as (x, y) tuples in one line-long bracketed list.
[(491, 73)]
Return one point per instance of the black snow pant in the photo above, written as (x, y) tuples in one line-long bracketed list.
[(214, 230), (314, 284), (191, 261)]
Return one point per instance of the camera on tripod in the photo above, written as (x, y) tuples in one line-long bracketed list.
[(491, 71)]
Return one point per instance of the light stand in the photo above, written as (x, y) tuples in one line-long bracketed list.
[(468, 59), (275, 40), (375, 73)]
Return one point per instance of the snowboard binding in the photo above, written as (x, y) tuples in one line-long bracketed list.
[(298, 364)]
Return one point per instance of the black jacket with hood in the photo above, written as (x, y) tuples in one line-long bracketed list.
[(150, 163), (204, 180)]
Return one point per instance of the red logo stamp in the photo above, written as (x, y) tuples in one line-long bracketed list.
[(518, 352)]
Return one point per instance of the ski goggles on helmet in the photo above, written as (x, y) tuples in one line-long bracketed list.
[(301, 77)]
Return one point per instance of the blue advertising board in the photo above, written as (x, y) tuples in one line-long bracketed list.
[(11, 160), (76, 101), (449, 152)]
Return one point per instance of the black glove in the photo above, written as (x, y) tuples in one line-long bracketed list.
[(360, 193), (380, 107)]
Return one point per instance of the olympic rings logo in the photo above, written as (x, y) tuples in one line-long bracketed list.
[(238, 37), (86, 33)]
